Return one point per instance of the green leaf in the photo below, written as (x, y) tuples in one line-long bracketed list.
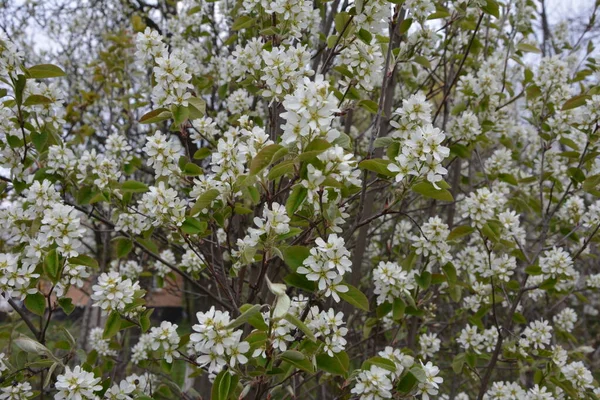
[(437, 14), (492, 7), (113, 324), (377, 165), (197, 107), (244, 317), (193, 226), (419, 373), (313, 149), (407, 383), (36, 99), (342, 20), (123, 246), (575, 102), (519, 318), (178, 372), (83, 259), (380, 362), (204, 201), (243, 22), (241, 210), (148, 245), (263, 158), (145, 319), (331, 41), (422, 61), (533, 270), (570, 143), (191, 169), (256, 320), (405, 25), (300, 325), (365, 36), (458, 362), (383, 142), (528, 48), (450, 272), (283, 168), (45, 71), (369, 105), (298, 360), (52, 267), (32, 346), (39, 139), (383, 309), (20, 88), (134, 187), (590, 185), (576, 173), (299, 281), (295, 199), (202, 153), (460, 231), (36, 303), (355, 297), (337, 365), (221, 386), (471, 359), (154, 116), (66, 304), (490, 231), (428, 190), (423, 280), (508, 178), (549, 283), (410, 310), (294, 256), (14, 141), (398, 308), (180, 114)]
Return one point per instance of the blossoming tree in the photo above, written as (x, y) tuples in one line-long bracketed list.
[(363, 199)]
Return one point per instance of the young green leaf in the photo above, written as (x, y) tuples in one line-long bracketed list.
[(45, 71), (355, 297), (36, 303)]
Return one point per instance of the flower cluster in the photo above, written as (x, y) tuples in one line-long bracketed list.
[(471, 339), (327, 264), (15, 279), (162, 206), (432, 242), (163, 154), (17, 391), (77, 383), (328, 326), (113, 293), (61, 226), (309, 111), (170, 72), (391, 282), (323, 183), (365, 62), (216, 344), (98, 343), (536, 336), (482, 205), (421, 150), (163, 339)]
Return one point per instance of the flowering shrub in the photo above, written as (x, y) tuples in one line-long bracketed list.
[(351, 200)]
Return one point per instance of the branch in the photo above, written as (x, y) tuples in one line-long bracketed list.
[(24, 317)]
